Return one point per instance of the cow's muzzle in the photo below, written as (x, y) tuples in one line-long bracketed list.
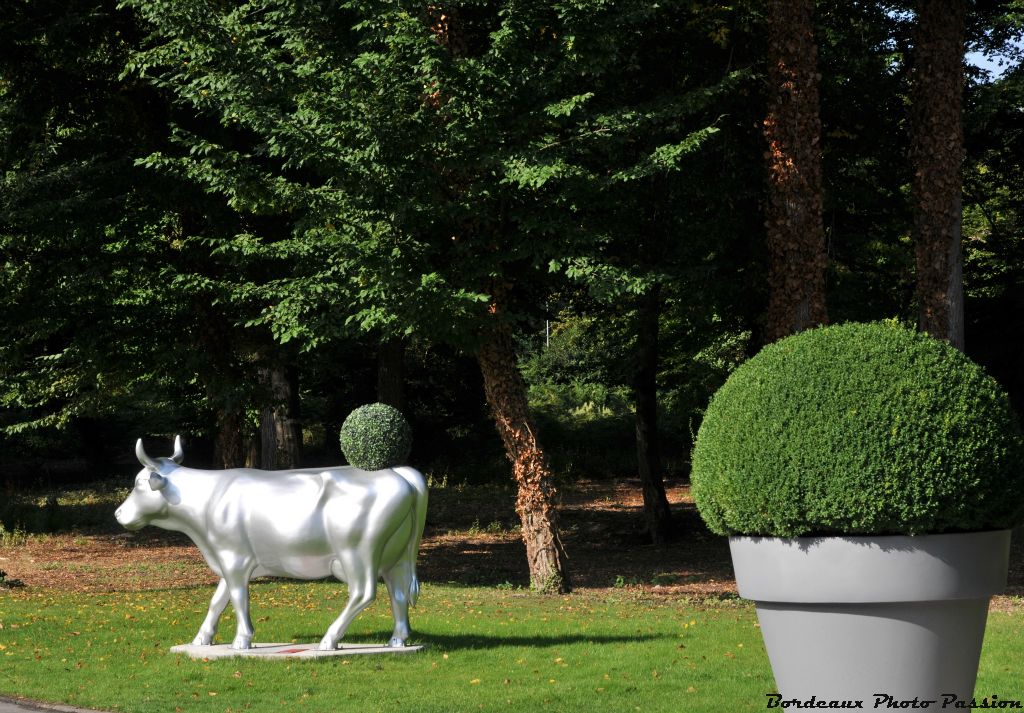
[(126, 521)]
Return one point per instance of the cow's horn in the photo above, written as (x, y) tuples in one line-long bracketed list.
[(179, 451), (140, 453)]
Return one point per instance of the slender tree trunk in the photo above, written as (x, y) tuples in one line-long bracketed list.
[(280, 431), (252, 452), (657, 514), (391, 373), (937, 151), (223, 373), (506, 396), (229, 443), (796, 237)]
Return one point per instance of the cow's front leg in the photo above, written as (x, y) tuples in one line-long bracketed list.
[(217, 603), (238, 588)]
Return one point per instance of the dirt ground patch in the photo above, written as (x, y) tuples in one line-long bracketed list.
[(472, 538)]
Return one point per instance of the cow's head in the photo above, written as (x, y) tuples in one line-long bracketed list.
[(149, 499)]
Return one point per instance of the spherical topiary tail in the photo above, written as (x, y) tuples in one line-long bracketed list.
[(416, 480), (375, 437)]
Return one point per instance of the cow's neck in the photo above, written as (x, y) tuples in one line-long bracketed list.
[(192, 492)]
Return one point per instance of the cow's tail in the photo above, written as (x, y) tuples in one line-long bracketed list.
[(419, 514)]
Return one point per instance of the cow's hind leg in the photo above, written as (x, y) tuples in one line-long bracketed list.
[(399, 582), (217, 603), (361, 575)]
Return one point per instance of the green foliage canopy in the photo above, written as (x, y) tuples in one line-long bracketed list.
[(424, 163)]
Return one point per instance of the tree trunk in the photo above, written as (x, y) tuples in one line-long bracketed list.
[(796, 237), (252, 452), (391, 373), (280, 432), (506, 396), (937, 151), (229, 443), (224, 371), (657, 514)]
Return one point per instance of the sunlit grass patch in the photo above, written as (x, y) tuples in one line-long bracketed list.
[(488, 649)]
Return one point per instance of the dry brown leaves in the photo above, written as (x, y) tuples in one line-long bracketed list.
[(470, 540)]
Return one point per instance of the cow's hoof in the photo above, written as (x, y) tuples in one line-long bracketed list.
[(328, 645), (242, 642), (396, 643), (202, 639)]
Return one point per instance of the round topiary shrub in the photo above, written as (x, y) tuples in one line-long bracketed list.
[(858, 429), (376, 436)]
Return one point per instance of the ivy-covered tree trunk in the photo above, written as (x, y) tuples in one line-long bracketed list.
[(937, 151), (391, 373), (796, 238), (506, 396), (657, 514), (280, 431)]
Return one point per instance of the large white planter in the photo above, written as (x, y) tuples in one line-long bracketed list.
[(852, 618)]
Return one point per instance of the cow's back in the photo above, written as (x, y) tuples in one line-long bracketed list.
[(364, 508)]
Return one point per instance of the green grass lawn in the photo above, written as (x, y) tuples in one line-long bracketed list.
[(489, 649), (1002, 658)]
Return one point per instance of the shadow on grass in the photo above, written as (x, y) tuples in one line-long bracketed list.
[(456, 642)]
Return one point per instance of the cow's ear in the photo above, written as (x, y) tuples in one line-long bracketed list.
[(157, 481)]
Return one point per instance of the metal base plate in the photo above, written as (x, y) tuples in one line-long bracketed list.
[(288, 651)]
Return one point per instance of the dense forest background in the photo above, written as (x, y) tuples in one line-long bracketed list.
[(238, 221)]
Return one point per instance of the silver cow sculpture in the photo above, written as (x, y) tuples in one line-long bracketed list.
[(353, 524)]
